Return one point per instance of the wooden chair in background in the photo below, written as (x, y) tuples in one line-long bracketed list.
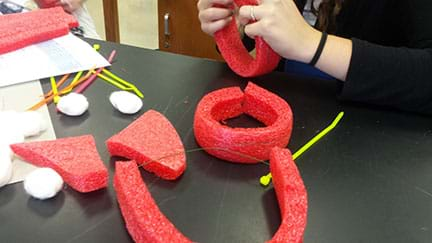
[(112, 31)]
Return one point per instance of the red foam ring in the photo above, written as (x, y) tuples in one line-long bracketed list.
[(237, 57), (144, 221), (47, 3), (292, 197), (242, 145)]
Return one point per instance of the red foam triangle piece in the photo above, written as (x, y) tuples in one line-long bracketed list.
[(153, 142), (75, 158), (23, 29)]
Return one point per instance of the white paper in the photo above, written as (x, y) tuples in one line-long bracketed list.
[(19, 98), (66, 54)]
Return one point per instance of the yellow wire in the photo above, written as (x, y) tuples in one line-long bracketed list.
[(76, 78), (265, 180), (54, 89), (122, 81)]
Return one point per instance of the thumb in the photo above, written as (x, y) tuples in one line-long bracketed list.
[(253, 29)]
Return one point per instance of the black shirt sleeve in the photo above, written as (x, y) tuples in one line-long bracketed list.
[(400, 75), (391, 76)]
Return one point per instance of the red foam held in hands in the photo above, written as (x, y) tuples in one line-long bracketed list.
[(242, 145), (237, 57), (292, 197), (153, 142), (144, 221), (47, 3), (75, 158), (23, 29)]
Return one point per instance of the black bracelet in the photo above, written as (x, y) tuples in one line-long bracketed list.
[(319, 50)]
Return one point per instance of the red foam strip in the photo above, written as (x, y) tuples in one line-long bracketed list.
[(75, 159), (292, 197), (243, 145), (33, 27), (144, 221), (237, 57), (153, 142)]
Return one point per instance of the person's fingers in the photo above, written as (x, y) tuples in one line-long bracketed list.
[(204, 4), (214, 14), (248, 13), (211, 27), (253, 29)]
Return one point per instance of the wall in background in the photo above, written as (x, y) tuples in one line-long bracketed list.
[(138, 21)]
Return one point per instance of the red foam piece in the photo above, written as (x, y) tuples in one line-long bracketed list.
[(74, 158), (144, 220), (242, 145), (33, 27), (153, 142), (237, 57), (47, 3), (292, 197)]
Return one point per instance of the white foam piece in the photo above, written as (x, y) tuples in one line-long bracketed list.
[(43, 183), (73, 104), (5, 169), (126, 102)]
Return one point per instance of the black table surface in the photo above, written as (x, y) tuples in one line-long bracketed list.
[(369, 180)]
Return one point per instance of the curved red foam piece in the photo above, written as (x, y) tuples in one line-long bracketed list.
[(47, 3), (237, 57), (144, 220), (242, 145), (153, 142), (292, 197), (23, 29), (75, 158)]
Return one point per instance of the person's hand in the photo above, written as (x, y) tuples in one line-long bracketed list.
[(282, 26), (214, 14), (71, 5)]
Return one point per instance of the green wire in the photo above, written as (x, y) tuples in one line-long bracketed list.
[(265, 180)]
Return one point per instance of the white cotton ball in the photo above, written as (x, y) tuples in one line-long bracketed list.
[(5, 150), (10, 135), (43, 183), (31, 123), (10, 132), (8, 117), (5, 169), (73, 104), (126, 102)]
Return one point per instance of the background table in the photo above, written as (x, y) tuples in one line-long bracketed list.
[(370, 180)]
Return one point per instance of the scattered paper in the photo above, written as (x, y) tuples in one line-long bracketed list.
[(66, 54)]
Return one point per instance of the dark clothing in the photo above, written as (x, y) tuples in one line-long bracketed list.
[(391, 63)]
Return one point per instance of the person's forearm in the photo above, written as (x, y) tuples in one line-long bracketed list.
[(335, 57)]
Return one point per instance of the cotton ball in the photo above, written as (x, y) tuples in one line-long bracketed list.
[(43, 183), (31, 123), (126, 102), (10, 132), (5, 150), (9, 120), (8, 117), (8, 136), (73, 104), (5, 169)]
